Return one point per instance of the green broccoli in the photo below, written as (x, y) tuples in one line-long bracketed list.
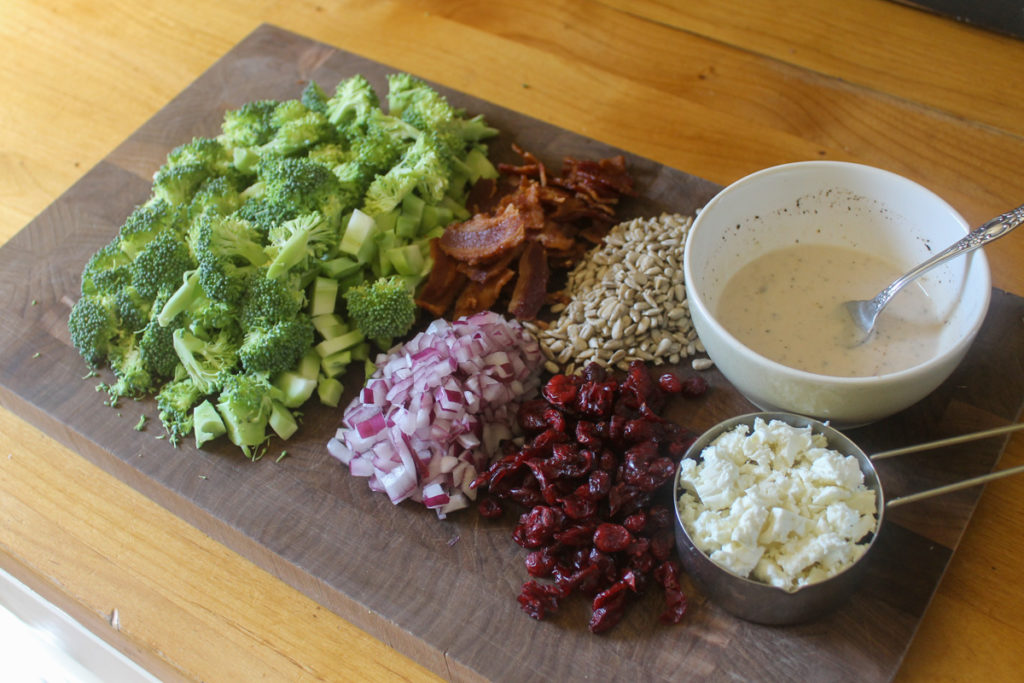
[(219, 195), (249, 125), (269, 300), (296, 129), (276, 347), (302, 186), (208, 359), (187, 167), (106, 271), (298, 243), (314, 97), (353, 100), (145, 223), (245, 406), (421, 168), (228, 250), (94, 327), (161, 265), (382, 309), (133, 378), (175, 402)]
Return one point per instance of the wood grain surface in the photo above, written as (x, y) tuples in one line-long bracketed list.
[(715, 90)]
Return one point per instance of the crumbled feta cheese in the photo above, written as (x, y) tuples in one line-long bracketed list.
[(777, 505)]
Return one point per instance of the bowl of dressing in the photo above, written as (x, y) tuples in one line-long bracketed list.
[(772, 257)]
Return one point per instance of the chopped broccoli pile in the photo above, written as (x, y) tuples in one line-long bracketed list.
[(272, 256)]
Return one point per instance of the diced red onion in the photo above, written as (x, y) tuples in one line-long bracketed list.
[(437, 408)]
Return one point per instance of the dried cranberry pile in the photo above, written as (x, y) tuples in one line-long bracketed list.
[(591, 472)]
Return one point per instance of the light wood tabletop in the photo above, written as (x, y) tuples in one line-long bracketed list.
[(716, 89)]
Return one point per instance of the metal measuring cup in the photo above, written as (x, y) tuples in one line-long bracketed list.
[(763, 603)]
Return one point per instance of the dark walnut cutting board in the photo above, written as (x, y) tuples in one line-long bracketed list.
[(443, 592)]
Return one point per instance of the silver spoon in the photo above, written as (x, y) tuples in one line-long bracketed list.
[(864, 313)]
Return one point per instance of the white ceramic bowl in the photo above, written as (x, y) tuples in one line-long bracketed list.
[(836, 204)]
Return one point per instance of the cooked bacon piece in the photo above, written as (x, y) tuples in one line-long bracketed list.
[(443, 284), (554, 236), (479, 296), (484, 237), (484, 271), (533, 168), (607, 178), (531, 288)]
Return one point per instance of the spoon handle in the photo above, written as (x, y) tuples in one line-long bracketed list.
[(992, 230)]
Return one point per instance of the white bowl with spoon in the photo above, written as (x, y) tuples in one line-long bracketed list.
[(771, 259)]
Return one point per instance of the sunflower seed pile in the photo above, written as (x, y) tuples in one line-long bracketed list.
[(626, 302)]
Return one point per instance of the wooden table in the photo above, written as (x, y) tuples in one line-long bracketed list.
[(715, 89)]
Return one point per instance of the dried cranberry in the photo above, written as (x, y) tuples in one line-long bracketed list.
[(596, 398), (670, 382), (598, 484), (594, 372), (611, 538), (555, 420), (540, 563), (587, 434), (636, 521), (531, 415), (489, 508), (560, 391), (538, 526), (577, 507), (538, 600), (694, 386)]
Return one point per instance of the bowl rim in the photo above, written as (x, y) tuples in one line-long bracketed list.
[(956, 350)]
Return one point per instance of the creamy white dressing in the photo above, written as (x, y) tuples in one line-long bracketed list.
[(787, 306)]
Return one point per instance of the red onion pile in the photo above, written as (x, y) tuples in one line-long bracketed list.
[(433, 414)]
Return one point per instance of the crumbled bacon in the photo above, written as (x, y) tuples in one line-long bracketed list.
[(543, 222)]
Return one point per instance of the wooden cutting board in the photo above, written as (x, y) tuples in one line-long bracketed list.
[(443, 592)]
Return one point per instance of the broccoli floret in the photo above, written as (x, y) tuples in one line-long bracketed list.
[(249, 125), (175, 402), (161, 265), (263, 215), (314, 97), (133, 309), (353, 100), (303, 186), (296, 129), (156, 344), (245, 405), (228, 250), (186, 168), (330, 154), (209, 153), (145, 223), (176, 184), (133, 376), (296, 244), (382, 309), (94, 326), (421, 168), (219, 196), (269, 300), (107, 270), (276, 347), (208, 361)]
